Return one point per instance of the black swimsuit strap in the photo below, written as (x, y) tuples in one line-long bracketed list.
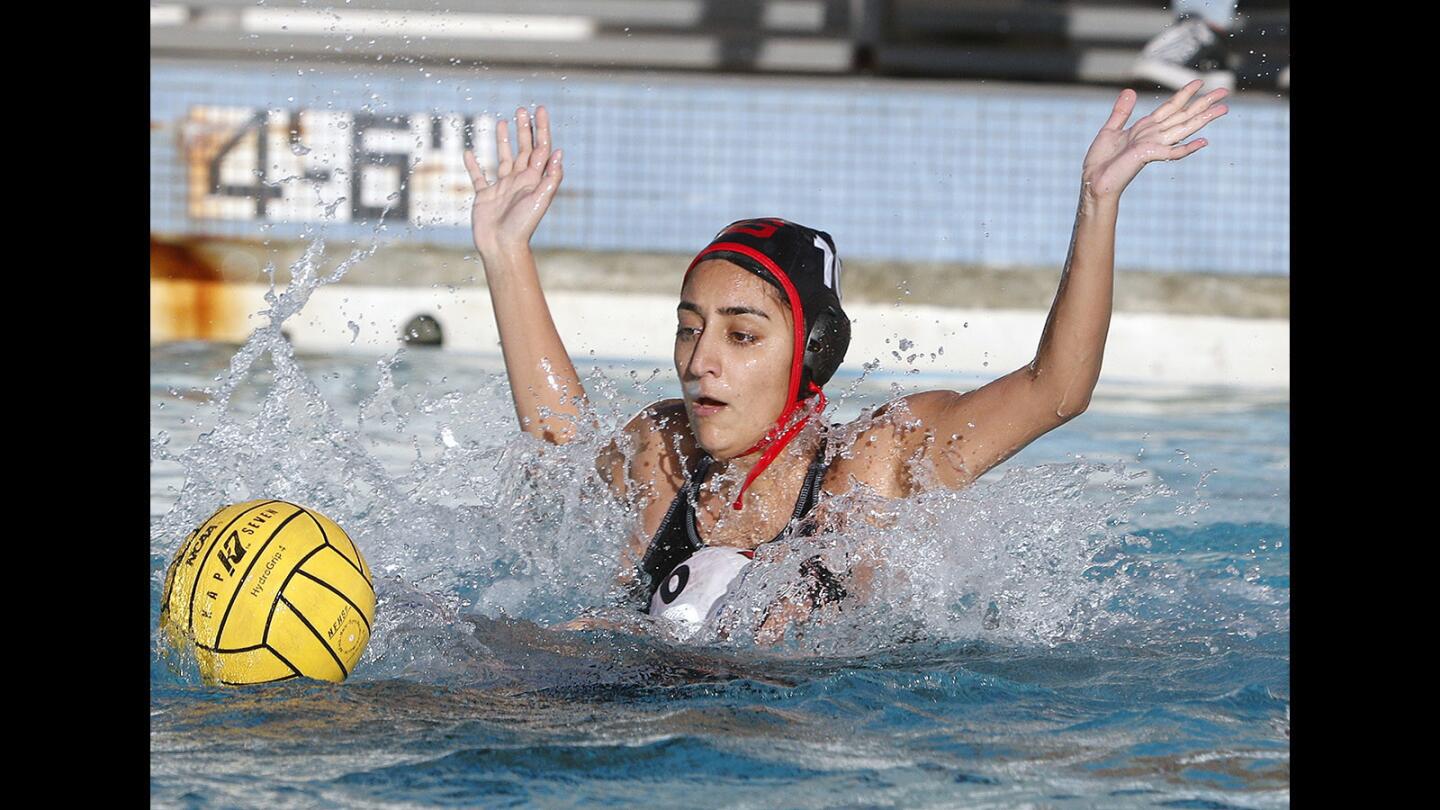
[(810, 490), (804, 502), (677, 539)]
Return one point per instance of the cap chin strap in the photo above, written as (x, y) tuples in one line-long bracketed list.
[(773, 444)]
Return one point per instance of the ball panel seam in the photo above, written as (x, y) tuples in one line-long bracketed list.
[(254, 558), (195, 586), (331, 588), (284, 660), (280, 591), (318, 636), (290, 677), (326, 535), (251, 648), (180, 555)]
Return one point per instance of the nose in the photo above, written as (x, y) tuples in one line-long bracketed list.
[(704, 357)]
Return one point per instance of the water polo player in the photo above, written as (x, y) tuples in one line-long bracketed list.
[(744, 456)]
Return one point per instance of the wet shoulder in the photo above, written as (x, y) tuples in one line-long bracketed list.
[(877, 447), (662, 447)]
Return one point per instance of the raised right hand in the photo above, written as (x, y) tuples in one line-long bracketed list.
[(1118, 153), (508, 209)]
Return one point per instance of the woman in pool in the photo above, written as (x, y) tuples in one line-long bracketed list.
[(744, 457)]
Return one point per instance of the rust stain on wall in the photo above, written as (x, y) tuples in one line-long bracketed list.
[(188, 300), (180, 260)]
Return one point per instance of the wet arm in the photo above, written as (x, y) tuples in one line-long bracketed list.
[(967, 434), (644, 468), (546, 390)]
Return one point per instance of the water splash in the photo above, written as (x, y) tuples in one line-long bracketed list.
[(1011, 560), (477, 532)]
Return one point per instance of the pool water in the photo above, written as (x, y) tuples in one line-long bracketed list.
[(1101, 621)]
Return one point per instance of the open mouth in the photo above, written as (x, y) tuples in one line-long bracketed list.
[(706, 406), (701, 404)]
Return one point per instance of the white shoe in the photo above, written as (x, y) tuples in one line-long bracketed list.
[(1182, 53)]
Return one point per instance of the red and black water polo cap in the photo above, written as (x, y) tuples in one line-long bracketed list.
[(803, 264)]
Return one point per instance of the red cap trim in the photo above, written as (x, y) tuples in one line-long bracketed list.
[(771, 444), (774, 449), (797, 312)]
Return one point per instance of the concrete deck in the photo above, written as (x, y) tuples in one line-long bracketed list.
[(1167, 328)]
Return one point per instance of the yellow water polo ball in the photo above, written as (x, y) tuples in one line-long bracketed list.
[(267, 591)]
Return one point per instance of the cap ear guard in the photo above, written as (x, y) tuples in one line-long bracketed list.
[(825, 346)]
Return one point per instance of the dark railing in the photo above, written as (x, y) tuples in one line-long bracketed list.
[(1034, 40)]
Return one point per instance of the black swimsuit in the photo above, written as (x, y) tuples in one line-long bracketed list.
[(677, 539)]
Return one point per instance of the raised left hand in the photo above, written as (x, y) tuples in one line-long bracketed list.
[(510, 206), (1118, 154)]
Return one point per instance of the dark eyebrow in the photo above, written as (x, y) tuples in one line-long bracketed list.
[(736, 310)]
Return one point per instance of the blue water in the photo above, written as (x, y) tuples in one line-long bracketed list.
[(1103, 621)]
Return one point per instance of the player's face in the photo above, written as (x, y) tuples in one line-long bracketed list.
[(733, 351)]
